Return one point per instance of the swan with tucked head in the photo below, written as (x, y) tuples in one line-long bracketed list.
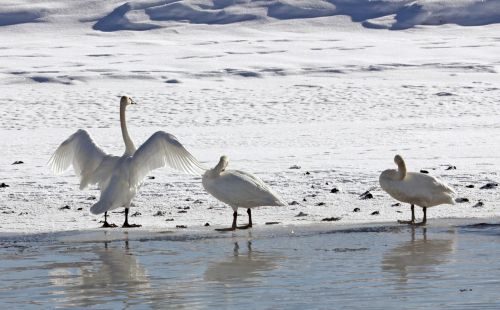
[(239, 190), (119, 177), (415, 188)]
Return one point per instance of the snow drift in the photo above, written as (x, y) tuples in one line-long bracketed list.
[(147, 15)]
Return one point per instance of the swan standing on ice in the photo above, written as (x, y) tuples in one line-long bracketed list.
[(239, 190), (415, 188), (118, 177)]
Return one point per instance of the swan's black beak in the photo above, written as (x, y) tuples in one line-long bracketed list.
[(132, 101)]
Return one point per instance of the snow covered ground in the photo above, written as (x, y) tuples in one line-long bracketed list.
[(336, 87)]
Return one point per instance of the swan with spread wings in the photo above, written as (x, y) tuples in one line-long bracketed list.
[(119, 177)]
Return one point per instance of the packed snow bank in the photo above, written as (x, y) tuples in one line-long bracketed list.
[(117, 20), (464, 13), (147, 15), (407, 14), (187, 12), (21, 12), (19, 17), (300, 9)]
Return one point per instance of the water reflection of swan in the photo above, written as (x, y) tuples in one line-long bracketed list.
[(118, 267), (115, 276), (239, 267), (417, 256)]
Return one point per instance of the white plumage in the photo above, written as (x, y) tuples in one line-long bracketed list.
[(239, 190), (118, 177), (415, 188)]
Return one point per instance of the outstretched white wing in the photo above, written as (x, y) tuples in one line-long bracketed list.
[(81, 151), (160, 150)]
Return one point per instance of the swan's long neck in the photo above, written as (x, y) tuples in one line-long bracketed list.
[(129, 145), (401, 169), (221, 166)]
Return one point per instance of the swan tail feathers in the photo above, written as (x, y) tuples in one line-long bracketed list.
[(83, 185), (451, 200), (280, 202), (275, 200), (99, 207), (450, 195)]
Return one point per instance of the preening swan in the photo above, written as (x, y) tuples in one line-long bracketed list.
[(239, 190), (415, 188), (119, 177)]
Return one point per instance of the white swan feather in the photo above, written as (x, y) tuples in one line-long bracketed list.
[(160, 150), (90, 163), (419, 189), (241, 189)]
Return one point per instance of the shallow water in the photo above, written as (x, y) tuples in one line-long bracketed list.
[(376, 267)]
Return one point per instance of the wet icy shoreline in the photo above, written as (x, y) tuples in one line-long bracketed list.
[(36, 201), (446, 264)]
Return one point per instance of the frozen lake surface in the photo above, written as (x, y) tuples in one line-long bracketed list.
[(450, 265)]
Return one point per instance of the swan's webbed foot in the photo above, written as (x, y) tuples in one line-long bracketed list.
[(108, 225), (411, 222), (249, 225), (226, 229), (420, 224), (233, 226), (245, 226), (127, 225)]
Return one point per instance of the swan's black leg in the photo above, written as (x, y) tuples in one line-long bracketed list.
[(235, 217), (249, 217), (412, 221), (106, 224), (126, 224), (233, 226), (424, 221), (249, 211)]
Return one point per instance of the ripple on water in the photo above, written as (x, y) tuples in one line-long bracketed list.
[(366, 267)]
